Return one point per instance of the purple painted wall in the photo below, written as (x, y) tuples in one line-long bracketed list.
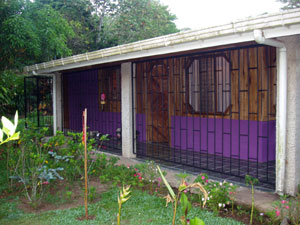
[(248, 139), (190, 133), (140, 125), (83, 93)]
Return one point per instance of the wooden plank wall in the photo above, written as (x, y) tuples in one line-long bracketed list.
[(253, 77), (109, 80)]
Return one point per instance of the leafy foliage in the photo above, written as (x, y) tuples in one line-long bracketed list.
[(9, 129), (81, 18), (289, 208), (185, 204), (137, 20), (221, 194), (291, 4), (11, 93), (149, 172), (100, 24), (29, 164), (104, 9), (31, 33)]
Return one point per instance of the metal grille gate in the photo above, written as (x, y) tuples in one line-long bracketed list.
[(212, 111), (38, 101), (83, 89)]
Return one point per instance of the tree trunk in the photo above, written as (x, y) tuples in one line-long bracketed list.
[(99, 28)]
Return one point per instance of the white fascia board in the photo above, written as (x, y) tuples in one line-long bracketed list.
[(201, 44), (216, 41), (283, 31)]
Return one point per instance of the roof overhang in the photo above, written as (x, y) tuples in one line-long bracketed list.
[(281, 24)]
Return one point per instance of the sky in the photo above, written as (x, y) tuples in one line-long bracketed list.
[(204, 13)]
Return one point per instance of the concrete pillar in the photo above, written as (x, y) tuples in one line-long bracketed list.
[(292, 173), (57, 103), (126, 109), (281, 118)]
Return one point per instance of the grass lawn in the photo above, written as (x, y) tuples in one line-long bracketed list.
[(141, 208)]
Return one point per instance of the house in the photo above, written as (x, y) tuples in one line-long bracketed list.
[(223, 99)]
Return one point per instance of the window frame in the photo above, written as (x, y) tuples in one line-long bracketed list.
[(213, 73)]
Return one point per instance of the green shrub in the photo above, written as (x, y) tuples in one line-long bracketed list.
[(149, 173), (288, 207), (29, 163), (71, 150), (220, 194), (11, 93)]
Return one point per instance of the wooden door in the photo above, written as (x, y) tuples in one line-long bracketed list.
[(157, 105)]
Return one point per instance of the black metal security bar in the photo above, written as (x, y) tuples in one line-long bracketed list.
[(212, 111), (98, 90), (38, 101)]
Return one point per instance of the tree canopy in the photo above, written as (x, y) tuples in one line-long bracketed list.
[(82, 19), (42, 30), (137, 20), (291, 4), (31, 34)]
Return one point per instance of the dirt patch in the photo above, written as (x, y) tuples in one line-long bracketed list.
[(244, 218), (64, 196), (90, 217)]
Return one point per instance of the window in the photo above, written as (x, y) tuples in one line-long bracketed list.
[(208, 85)]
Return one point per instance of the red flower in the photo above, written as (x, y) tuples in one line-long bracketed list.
[(134, 175), (140, 178)]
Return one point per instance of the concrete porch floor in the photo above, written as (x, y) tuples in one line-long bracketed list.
[(263, 200)]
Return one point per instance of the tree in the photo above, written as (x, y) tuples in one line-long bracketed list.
[(11, 93), (53, 31), (86, 18), (104, 23), (137, 20), (291, 4), (81, 16), (31, 34), (104, 8)]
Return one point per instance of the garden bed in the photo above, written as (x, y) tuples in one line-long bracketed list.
[(143, 208), (64, 196), (55, 169)]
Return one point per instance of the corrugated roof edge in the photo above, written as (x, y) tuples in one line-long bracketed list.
[(282, 18)]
